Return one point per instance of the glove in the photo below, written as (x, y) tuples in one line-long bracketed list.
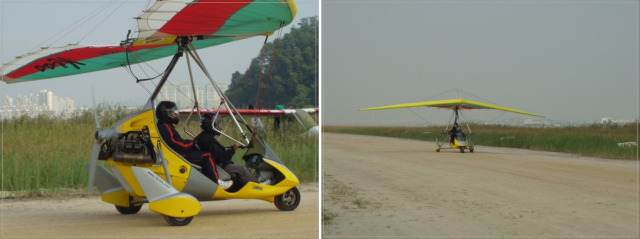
[(195, 144)]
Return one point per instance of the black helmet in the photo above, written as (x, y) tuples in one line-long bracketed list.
[(168, 111), (207, 122)]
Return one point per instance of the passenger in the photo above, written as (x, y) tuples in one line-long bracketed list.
[(206, 141), (168, 116)]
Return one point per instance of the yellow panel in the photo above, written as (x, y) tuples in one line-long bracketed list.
[(118, 198), (137, 123), (264, 192), (155, 41), (176, 207), (294, 9)]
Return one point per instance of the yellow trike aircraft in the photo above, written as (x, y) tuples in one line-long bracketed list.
[(457, 138), (141, 168)]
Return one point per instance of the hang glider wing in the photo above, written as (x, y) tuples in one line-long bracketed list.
[(453, 104), (262, 112), (300, 115), (209, 22)]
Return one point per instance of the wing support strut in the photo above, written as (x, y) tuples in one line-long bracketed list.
[(184, 45)]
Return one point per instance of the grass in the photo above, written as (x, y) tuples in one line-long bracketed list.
[(50, 152), (591, 140), (328, 216)]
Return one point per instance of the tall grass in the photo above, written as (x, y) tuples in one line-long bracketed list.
[(49, 152), (591, 140)]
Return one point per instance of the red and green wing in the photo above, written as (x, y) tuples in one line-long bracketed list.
[(267, 112), (213, 22)]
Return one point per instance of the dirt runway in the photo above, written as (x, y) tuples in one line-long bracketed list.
[(385, 187), (86, 217)]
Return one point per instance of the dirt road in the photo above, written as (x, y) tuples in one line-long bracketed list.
[(376, 186), (82, 217)]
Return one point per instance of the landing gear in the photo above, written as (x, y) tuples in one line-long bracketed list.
[(178, 221), (133, 209), (288, 201)]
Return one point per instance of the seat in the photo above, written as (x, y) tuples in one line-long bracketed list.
[(222, 174)]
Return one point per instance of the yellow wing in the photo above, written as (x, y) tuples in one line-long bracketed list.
[(453, 104)]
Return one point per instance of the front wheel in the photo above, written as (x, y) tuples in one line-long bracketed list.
[(178, 221), (288, 201), (461, 149)]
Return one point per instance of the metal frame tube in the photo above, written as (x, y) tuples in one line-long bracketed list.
[(217, 89)]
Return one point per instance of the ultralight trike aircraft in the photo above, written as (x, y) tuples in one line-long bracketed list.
[(457, 139), (141, 168)]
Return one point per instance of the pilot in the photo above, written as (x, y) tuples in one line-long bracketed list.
[(452, 133), (167, 113), (206, 141)]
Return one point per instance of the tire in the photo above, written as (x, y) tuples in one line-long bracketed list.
[(178, 221), (461, 149), (128, 210), (288, 201)]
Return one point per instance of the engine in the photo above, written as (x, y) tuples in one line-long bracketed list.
[(134, 146)]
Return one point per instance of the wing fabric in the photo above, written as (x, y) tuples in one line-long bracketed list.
[(211, 22), (233, 17), (76, 59), (254, 111), (450, 104)]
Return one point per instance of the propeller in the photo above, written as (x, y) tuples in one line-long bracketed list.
[(95, 152), (100, 136), (92, 165)]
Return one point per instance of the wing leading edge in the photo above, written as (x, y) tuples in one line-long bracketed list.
[(451, 104)]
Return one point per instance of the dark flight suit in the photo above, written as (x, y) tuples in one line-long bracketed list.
[(188, 149), (222, 155)]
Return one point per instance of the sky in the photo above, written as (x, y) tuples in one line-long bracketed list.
[(570, 61), (27, 25)]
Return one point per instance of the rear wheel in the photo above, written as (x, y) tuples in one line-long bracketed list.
[(288, 201), (133, 209), (178, 221)]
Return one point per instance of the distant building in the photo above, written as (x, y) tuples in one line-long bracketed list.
[(606, 121), (182, 95), (44, 101), (610, 121)]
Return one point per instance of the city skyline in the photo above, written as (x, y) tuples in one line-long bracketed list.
[(35, 104), (44, 100), (182, 95)]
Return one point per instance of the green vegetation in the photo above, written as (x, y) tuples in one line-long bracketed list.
[(592, 140), (293, 79), (50, 152)]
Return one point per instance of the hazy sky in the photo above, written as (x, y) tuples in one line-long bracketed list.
[(25, 25), (568, 60)]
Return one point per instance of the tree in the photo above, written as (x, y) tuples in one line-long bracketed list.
[(293, 79)]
